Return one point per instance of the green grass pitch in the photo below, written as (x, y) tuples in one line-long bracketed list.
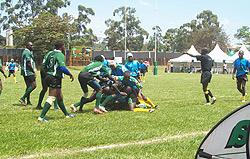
[(182, 111)]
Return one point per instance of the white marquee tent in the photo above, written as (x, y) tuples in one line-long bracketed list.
[(185, 57), (219, 56), (246, 53), (186, 61)]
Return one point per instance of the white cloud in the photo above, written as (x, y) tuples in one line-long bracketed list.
[(225, 22), (144, 3)]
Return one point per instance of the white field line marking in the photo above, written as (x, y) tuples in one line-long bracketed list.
[(65, 152)]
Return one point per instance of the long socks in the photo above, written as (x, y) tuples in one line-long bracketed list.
[(107, 99), (207, 96), (62, 107), (55, 104), (98, 99), (82, 102), (41, 96), (210, 94), (150, 102), (45, 109), (27, 92), (141, 110)]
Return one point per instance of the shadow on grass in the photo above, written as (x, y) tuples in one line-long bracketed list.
[(19, 105)]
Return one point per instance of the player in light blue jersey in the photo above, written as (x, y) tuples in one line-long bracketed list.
[(242, 66), (11, 68), (133, 67)]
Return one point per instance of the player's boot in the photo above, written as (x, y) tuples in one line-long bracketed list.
[(42, 119), (103, 109), (98, 111), (207, 103), (22, 101), (73, 108), (213, 100), (70, 116)]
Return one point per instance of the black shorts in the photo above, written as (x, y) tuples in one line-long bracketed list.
[(30, 79), (143, 70), (85, 77), (12, 71), (242, 78), (206, 77), (54, 82), (42, 73), (133, 96)]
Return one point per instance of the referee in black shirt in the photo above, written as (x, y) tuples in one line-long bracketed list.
[(206, 66)]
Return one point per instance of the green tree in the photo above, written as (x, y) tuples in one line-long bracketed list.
[(161, 44), (52, 6), (204, 31), (83, 19), (14, 12), (208, 32), (88, 39), (115, 33), (44, 31), (2, 40), (19, 12), (84, 36), (243, 34)]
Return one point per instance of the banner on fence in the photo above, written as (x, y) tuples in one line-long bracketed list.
[(83, 51)]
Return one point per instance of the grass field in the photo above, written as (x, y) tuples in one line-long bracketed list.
[(182, 111)]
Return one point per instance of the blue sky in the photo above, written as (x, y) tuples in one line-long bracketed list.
[(170, 13)]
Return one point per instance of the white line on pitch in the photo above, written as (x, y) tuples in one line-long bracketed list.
[(113, 146)]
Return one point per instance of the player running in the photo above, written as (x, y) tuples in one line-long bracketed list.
[(55, 68), (242, 66), (11, 68), (206, 66)]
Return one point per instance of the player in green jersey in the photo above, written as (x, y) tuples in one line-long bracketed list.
[(55, 68), (28, 73), (44, 85), (1, 70), (86, 77)]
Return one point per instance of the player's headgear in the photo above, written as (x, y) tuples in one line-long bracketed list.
[(12, 60), (129, 55), (241, 51), (112, 63)]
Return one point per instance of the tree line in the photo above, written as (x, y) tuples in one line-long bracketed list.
[(38, 21)]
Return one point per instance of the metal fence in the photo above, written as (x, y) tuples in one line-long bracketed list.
[(162, 57)]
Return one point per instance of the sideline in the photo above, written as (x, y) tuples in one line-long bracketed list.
[(112, 146)]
